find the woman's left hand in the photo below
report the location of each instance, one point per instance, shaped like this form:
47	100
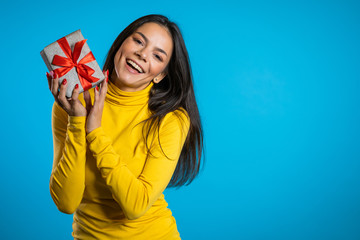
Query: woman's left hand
95	110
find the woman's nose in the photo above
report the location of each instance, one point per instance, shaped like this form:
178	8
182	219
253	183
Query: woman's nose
142	54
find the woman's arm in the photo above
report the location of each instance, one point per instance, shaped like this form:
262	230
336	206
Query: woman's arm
134	194
67	181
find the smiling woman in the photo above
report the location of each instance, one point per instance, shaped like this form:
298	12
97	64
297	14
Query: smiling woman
117	148
143	57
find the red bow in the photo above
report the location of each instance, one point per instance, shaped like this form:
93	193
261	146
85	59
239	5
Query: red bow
84	71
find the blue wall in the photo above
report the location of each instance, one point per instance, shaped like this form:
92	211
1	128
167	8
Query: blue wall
278	89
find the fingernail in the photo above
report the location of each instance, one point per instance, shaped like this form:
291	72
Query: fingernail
54	75
76	86
107	72
97	88
47	74
64	82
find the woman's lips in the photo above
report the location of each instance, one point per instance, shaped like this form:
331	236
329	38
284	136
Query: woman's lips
130	69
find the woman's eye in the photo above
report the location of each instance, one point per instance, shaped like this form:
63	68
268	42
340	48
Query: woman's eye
158	57
137	41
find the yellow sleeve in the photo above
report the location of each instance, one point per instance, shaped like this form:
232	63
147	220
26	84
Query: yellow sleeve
134	194
67	180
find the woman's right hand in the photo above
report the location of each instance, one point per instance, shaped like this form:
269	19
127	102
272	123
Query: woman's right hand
72	105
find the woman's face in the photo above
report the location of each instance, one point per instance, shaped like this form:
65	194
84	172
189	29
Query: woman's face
142	57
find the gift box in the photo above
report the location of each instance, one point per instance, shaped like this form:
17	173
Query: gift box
70	57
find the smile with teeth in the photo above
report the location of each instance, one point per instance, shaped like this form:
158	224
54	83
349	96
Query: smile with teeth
134	65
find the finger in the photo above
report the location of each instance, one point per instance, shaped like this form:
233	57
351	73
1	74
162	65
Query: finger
61	97
87	99
75	93
103	87
106	74
49	78
103	91
96	95
55	85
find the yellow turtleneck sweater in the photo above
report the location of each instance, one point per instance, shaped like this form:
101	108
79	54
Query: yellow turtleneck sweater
107	178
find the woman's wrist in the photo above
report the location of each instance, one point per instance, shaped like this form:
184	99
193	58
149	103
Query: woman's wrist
90	136
77	122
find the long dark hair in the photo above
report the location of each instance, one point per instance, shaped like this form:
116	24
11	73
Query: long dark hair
174	92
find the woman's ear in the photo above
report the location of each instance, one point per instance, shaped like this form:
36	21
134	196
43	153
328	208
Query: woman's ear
159	77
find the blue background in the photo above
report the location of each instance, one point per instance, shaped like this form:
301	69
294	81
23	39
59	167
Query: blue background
277	85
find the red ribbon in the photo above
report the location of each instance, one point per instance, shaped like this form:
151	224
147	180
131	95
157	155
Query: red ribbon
84	71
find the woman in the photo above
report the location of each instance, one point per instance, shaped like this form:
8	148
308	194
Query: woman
117	148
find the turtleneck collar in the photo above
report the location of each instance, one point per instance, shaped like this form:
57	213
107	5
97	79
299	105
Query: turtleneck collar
117	96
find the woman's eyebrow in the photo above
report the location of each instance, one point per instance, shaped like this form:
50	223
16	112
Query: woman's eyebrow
147	40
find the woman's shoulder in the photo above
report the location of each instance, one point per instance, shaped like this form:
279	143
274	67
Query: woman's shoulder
178	118
182	114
